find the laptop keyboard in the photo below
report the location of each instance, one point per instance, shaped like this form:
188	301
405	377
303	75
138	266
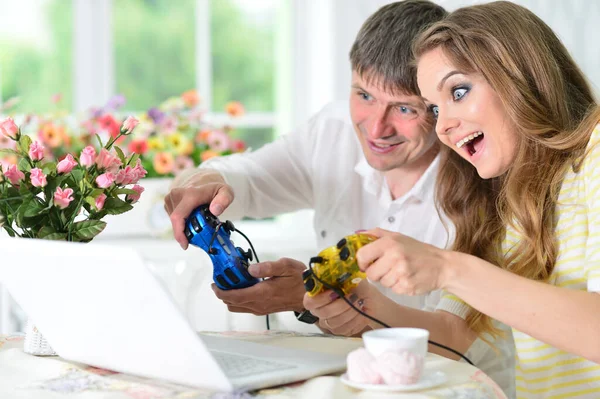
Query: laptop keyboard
241	366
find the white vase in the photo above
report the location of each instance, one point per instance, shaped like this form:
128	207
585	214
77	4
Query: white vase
35	343
147	218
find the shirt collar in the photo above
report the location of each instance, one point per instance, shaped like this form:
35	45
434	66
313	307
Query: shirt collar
374	181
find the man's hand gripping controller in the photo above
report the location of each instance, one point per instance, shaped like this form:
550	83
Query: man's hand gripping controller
336	266
230	263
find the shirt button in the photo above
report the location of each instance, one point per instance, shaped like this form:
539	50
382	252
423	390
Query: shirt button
391	219
323	233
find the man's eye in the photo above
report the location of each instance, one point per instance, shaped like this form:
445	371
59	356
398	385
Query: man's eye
406	110
459	93
364	96
434	109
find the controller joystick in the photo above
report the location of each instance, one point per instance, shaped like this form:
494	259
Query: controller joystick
336	266
230	263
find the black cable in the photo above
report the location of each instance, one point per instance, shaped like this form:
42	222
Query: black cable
343	296
257	261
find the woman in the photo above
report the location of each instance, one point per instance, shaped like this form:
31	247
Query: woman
519	181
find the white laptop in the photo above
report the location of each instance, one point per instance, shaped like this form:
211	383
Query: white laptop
99	305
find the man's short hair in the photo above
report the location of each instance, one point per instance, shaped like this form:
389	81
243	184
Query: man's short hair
382	51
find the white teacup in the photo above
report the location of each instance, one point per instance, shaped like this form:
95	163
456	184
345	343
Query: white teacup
409	343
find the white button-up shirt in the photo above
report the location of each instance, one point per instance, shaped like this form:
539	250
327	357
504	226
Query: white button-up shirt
321	166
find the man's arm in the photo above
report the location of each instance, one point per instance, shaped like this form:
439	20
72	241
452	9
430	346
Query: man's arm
271	180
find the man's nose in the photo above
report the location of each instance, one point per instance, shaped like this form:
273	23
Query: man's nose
380	126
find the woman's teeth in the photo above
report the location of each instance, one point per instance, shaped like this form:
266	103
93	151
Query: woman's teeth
467	139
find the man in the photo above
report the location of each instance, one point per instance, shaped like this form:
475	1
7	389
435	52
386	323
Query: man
372	167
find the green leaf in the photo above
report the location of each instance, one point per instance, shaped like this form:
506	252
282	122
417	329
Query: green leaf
46	231
125	191
120	154
34	209
49	167
99	141
24	144
9	231
116	206
8	151
77	174
133	159
96	192
24	165
88	229
56	237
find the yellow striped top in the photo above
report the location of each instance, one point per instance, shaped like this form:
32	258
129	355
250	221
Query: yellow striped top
543	371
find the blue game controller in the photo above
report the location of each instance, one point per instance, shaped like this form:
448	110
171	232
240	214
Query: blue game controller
230	263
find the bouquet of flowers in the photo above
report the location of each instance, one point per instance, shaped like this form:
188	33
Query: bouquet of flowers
65	199
175	136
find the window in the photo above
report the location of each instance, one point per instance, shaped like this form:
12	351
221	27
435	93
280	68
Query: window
150	50
224	48
35	38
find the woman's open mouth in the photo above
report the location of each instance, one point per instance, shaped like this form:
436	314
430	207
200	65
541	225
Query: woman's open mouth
472	143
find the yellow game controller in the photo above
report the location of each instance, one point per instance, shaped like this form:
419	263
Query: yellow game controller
336	266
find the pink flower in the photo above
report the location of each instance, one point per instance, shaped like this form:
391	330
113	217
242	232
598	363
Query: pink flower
135	197
100	201
9	128
66	165
87	156
218	141
56	98
14	175
105	180
62	198
36	151
129	124
139	170
108	161
38	178
182	163
238	145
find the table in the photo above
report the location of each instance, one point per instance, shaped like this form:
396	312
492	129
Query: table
23	376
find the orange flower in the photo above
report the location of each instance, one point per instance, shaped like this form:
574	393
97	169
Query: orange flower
208	154
202	136
234	108
163	163
191	98
52	135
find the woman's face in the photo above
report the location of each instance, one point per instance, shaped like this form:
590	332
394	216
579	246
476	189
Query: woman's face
470	116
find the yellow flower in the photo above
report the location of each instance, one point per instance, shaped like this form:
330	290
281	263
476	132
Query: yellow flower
180	144
156	143
163	163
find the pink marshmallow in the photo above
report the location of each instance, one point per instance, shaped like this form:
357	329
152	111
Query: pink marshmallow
361	367
399	367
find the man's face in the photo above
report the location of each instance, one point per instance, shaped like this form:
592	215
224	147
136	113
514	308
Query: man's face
395	131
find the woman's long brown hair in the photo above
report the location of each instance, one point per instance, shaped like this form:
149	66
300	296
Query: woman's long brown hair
551	105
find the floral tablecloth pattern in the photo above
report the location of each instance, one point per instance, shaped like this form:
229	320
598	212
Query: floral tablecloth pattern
23	376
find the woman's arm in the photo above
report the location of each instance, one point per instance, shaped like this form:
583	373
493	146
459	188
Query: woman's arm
337	317
566	319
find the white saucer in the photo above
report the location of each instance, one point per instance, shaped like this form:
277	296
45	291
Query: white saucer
429	379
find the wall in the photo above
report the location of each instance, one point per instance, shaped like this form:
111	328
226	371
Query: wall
331	26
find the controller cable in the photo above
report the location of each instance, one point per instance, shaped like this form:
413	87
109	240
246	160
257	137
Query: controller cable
343	296
230	226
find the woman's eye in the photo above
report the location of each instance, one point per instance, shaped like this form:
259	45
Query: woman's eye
459	93
434	109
